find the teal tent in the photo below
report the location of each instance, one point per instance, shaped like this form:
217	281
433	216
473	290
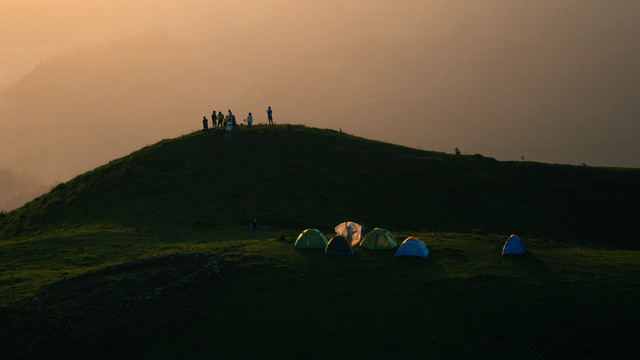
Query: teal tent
378	239
311	239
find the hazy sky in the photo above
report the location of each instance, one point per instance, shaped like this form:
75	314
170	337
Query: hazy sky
86	81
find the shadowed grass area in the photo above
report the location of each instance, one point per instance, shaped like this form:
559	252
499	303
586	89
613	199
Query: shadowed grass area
573	295
284	302
280	302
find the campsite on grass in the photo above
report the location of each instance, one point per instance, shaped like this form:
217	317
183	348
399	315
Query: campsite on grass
143	258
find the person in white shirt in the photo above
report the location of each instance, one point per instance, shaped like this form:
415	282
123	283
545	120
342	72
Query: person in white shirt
249	121
227	133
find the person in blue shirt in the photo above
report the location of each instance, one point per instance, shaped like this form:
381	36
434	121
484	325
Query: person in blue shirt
270	115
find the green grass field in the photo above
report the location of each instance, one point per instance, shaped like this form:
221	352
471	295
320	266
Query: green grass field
574	295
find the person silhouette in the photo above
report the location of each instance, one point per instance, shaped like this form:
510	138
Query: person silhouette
205	124
249	121
213	119
220	119
254	227
229	125
270	115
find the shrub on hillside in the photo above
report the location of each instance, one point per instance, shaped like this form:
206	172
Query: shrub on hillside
281	237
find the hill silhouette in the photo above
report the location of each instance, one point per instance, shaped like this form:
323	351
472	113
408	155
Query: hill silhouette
294	177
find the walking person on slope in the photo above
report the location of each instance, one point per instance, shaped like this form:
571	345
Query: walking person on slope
254	227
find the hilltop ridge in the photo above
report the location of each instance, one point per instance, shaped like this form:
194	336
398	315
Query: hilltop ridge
291	176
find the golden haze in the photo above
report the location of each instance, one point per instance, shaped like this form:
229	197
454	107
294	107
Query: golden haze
85	81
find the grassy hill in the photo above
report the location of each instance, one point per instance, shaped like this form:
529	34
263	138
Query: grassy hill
575	292
296	177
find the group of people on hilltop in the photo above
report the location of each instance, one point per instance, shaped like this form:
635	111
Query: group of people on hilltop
229	121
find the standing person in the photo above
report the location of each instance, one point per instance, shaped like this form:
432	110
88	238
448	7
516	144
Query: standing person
227	133
220	119
254	227
230	115
205	125
213	119
270	115
249	121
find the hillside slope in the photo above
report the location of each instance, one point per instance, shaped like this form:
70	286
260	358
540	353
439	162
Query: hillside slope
296	177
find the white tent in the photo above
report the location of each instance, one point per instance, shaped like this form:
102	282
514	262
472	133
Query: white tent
351	231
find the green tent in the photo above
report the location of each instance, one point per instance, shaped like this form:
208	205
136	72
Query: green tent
378	239
311	239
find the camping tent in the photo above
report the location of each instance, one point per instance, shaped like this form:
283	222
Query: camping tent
311	239
351	231
413	247
513	245
378	239
338	245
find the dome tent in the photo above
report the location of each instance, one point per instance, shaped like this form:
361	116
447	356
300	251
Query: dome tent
338	245
378	239
351	231
412	246
311	239
513	246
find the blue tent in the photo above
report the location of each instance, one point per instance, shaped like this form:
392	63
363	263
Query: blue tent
513	245
413	247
